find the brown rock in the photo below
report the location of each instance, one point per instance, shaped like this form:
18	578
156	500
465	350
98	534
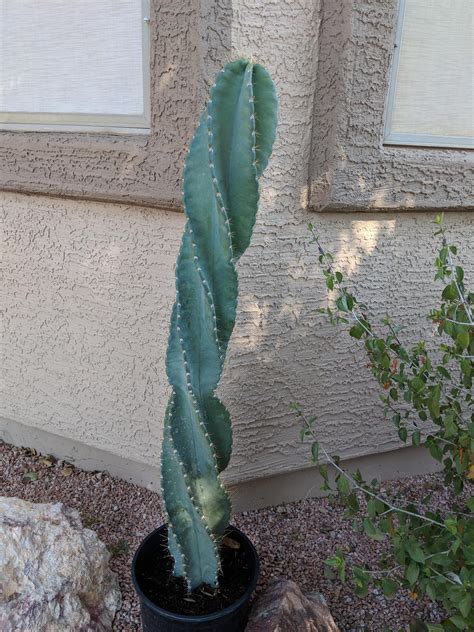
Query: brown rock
282	607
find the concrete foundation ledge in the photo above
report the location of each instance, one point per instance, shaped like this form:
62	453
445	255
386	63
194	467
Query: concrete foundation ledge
261	492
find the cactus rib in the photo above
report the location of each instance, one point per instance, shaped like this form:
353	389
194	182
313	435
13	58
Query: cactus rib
220	200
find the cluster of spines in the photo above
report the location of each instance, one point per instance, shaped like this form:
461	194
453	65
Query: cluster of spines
215	181
203	427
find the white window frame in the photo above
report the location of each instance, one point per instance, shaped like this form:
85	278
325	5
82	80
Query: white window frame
100	123
420	140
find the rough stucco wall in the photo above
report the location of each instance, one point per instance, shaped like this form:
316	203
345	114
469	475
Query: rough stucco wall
279	343
85	297
87	290
351	168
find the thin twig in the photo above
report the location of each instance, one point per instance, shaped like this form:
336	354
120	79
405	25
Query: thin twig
376	496
444	576
450	320
389	571
356	485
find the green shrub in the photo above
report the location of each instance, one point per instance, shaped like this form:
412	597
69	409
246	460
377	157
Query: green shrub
428	397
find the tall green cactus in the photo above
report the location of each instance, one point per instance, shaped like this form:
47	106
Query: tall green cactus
228	153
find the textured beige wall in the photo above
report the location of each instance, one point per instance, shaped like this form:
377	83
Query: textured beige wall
87	290
86	294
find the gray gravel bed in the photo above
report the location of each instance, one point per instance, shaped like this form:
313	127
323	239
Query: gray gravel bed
293	541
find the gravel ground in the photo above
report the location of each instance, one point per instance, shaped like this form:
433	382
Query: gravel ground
293	541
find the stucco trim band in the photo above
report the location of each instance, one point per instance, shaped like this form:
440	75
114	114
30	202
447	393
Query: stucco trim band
260	492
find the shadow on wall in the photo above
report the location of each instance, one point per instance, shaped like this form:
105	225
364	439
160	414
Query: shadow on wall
283	351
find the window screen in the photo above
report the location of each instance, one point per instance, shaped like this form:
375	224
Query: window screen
431	99
74	63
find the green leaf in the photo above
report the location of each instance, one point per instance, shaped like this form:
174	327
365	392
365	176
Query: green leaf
389	587
339	564
433	400
465	605
450	427
462	340
371	508
415	552
444	372
343	485
418	383
459	622
435	451
372	532
403	434
323	470
416	438
449	292
345	303
352	502
396	420
431	591
315	452
357	331
412	572
386	525
361	581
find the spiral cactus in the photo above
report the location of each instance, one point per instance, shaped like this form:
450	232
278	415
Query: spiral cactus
228	153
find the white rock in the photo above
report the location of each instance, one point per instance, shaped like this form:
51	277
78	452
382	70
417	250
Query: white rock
54	573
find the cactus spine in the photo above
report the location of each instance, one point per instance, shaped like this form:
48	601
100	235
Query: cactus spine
228	153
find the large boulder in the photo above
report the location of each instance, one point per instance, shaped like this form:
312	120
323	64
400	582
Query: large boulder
283	607
54	573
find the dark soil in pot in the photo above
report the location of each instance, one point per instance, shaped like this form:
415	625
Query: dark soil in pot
170	593
166	602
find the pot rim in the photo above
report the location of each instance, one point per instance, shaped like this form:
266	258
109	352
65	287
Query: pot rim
174	616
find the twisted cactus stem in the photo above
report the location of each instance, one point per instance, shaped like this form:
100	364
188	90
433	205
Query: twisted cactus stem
228	153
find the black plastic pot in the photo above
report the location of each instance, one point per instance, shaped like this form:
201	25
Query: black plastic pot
156	619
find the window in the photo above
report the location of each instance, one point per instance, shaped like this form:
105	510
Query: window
431	97
127	154
383	139
80	65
